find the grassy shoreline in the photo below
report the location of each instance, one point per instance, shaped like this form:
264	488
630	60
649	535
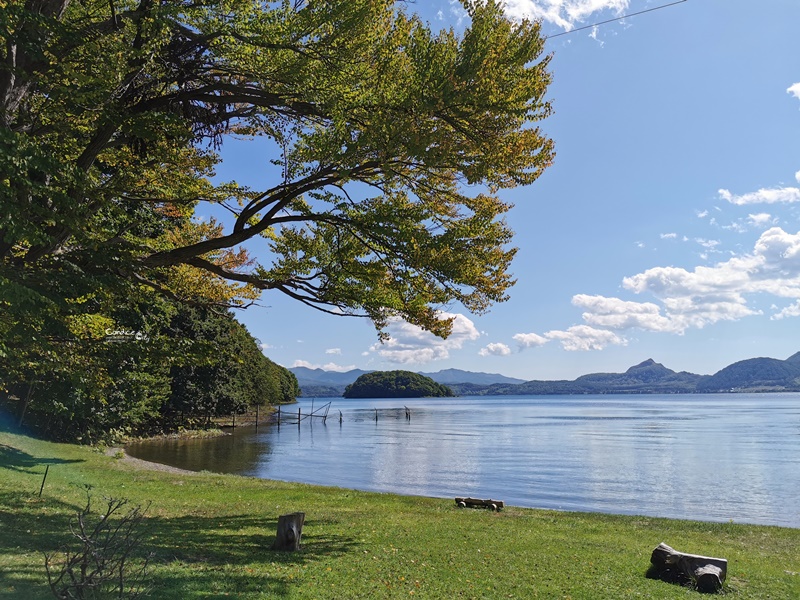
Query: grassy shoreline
210	535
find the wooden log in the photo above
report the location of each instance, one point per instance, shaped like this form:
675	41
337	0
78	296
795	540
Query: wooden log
290	528
706	573
495	505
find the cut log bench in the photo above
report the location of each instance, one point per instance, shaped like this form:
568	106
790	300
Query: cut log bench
494	505
707	574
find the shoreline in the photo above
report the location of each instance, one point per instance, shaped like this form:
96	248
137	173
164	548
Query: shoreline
213	533
122	456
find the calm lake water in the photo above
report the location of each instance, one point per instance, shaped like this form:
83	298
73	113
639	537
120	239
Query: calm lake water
708	457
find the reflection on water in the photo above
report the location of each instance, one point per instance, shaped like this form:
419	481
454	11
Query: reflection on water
709	457
239	453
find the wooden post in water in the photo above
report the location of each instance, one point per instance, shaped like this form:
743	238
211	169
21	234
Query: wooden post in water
279	417
298	417
340	417
376	415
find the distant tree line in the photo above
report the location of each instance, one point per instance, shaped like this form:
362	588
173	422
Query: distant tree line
184	369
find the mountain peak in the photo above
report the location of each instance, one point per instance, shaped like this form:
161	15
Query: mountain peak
648	364
794	358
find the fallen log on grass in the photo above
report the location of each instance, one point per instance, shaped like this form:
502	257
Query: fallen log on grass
705	573
495	505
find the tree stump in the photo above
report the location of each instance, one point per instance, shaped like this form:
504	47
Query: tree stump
290	528
707	574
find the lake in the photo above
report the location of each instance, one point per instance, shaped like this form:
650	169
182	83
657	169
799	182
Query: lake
716	457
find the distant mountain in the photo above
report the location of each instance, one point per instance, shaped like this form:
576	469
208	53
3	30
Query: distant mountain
448	376
756	375
318	382
648	377
323	377
794	359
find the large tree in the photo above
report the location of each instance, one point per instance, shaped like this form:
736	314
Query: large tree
389	144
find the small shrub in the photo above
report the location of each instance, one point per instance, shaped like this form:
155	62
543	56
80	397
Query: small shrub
103	563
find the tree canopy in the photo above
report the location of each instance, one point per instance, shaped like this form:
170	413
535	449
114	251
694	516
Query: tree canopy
396	384
387	143
191	365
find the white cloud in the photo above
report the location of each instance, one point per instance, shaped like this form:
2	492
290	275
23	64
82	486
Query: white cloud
333	351
706	295
409	344
616	314
563	13
593	35
736	226
527	340
669	236
763	196
760	219
794	90
797	176
583	338
495	349
708	244
265	346
457	10
325	367
578	337
789	311
689	299
702	214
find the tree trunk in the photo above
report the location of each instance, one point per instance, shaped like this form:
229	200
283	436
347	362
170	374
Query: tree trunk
290	528
25	404
705	573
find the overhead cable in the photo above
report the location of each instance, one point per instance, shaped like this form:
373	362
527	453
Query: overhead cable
641	12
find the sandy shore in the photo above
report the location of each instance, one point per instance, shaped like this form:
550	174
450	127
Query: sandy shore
145	464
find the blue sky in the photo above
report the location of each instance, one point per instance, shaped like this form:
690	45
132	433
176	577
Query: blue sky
667	228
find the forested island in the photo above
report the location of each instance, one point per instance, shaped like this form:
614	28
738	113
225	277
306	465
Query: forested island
396	384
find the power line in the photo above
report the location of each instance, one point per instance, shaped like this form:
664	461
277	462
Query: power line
641	12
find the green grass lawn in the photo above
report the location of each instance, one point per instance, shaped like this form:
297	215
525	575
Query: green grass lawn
210	535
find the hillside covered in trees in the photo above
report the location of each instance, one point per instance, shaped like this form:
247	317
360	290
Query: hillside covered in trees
396	384
195	364
650	377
